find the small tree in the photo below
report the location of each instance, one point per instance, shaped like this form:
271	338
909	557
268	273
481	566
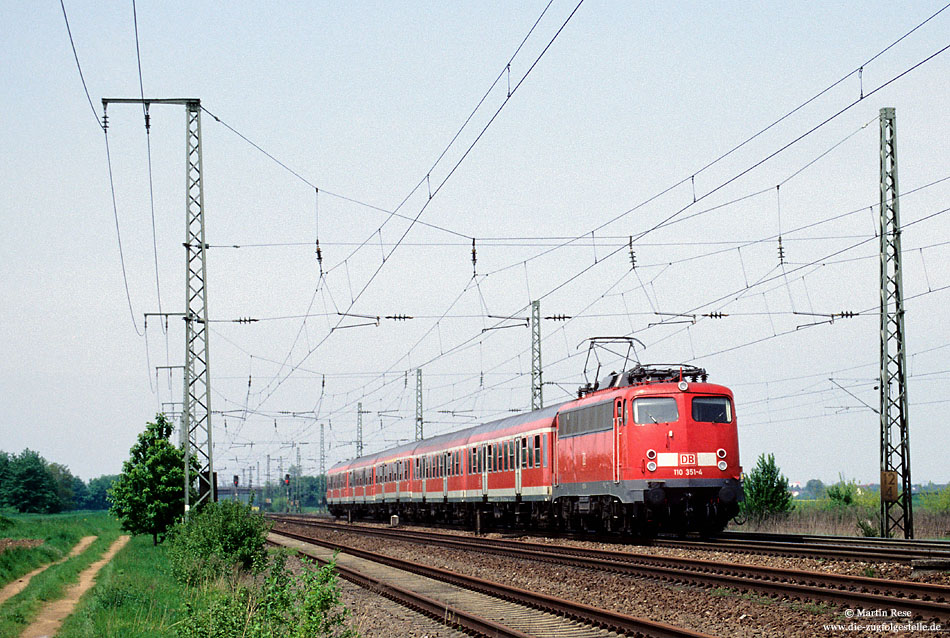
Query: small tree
149	495
766	490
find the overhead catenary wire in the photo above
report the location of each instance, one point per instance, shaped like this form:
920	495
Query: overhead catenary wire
449	173
82	78
407	244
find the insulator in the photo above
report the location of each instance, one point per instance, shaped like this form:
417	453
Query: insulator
847	314
398	317
715	315
558	317
781	251
633	255
474	256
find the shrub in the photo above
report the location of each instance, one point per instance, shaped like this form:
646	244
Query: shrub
936	501
766	490
843	493
215	540
284	606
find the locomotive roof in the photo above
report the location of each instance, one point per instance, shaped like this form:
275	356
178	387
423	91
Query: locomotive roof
464	434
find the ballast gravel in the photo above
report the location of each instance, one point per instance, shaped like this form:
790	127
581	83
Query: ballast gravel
719	611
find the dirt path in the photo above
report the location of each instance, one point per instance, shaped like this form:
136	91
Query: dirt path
14	588
51	616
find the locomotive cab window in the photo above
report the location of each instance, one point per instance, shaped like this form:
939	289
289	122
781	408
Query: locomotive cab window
655	410
712	410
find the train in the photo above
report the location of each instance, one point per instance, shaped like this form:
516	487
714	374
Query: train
648	450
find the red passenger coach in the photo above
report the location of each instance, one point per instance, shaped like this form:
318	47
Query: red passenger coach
653	448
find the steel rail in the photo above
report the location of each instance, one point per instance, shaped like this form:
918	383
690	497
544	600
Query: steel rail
923	599
856	550
612	621
437	610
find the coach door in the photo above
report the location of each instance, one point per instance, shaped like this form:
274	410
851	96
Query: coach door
483	467
519	460
446	466
618	438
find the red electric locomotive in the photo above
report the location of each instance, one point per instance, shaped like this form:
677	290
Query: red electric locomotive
651	449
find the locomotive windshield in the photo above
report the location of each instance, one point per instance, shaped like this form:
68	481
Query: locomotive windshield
655	410
712	410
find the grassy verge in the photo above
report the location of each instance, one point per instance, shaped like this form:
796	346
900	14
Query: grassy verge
821	517
59	532
135	596
17	612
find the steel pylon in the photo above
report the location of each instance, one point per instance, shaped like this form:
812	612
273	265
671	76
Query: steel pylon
537	400
897	516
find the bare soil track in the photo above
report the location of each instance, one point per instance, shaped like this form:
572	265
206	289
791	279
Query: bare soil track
52	615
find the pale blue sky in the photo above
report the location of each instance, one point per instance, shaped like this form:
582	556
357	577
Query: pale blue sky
360	99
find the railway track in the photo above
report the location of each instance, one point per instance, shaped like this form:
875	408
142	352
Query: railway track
923	600
773	544
834	547
478	606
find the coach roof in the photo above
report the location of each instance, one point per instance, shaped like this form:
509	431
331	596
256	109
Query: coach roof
456	437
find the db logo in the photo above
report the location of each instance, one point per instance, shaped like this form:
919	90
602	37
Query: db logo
687	459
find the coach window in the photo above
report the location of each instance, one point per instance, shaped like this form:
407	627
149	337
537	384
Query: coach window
544	450
537	450
655	410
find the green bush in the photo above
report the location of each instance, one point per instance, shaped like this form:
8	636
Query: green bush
215	540
936	501
843	493
766	490
284	606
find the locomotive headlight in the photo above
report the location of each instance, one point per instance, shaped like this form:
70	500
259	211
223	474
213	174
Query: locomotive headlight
683	386
722	465
651	454
651	466
721	453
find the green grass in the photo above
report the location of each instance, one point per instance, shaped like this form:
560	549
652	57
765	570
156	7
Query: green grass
60	533
17	612
135	596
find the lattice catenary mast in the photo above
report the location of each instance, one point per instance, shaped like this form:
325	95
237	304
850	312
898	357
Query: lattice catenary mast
359	430
419	433
196	408
537	402
897	514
